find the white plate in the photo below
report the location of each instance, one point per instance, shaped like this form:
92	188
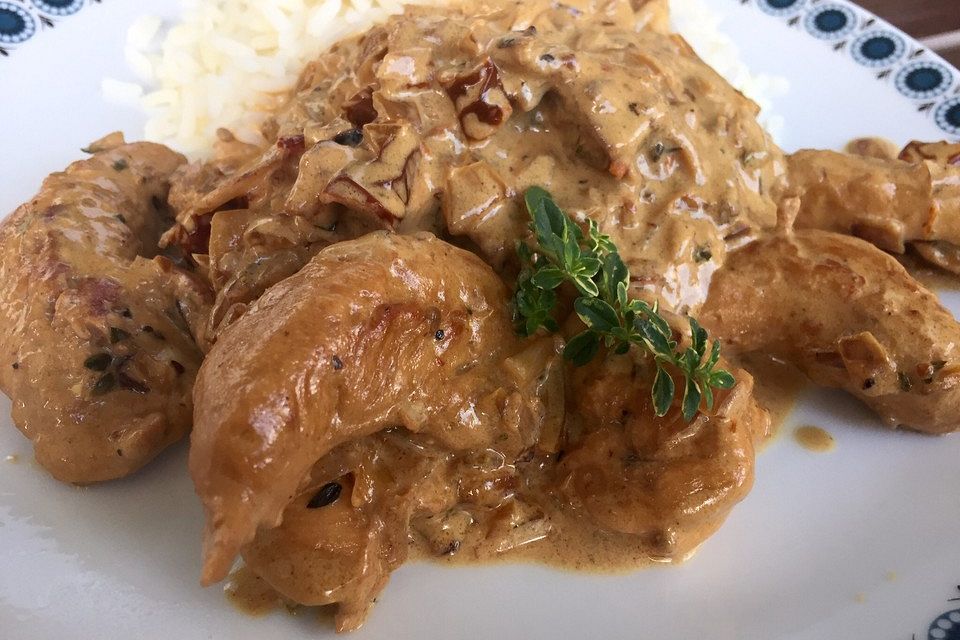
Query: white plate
860	543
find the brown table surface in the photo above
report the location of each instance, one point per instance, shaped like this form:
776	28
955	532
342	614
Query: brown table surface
936	23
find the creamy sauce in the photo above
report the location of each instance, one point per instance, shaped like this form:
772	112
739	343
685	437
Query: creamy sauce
576	545
571	545
250	593
814	439
777	385
929	275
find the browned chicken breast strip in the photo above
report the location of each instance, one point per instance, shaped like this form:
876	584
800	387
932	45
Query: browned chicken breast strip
350	525
383	331
99	359
849	316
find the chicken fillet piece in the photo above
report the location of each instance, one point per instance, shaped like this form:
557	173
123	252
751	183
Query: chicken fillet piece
849	316
379	332
99	358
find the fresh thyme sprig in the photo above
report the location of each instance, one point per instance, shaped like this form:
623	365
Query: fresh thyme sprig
593	266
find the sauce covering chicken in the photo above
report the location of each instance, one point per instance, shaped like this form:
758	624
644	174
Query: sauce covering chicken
365	393
412	334
94	324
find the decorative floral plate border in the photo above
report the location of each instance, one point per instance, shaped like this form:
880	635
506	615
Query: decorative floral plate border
892	56
946	626
21	20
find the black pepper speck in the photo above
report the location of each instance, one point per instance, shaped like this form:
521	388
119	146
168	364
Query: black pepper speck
98	362
104	384
327	495
349	138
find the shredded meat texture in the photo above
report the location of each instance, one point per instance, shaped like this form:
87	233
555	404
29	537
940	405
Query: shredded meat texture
363	394
94	325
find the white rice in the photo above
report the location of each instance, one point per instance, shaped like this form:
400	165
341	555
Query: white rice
226	63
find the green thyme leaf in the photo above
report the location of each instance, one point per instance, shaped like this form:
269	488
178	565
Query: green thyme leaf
615	274
691	400
597	314
698	338
548	278
714	355
659	342
582	348
708	396
622	297
662	392
722	380
591	264
585	285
